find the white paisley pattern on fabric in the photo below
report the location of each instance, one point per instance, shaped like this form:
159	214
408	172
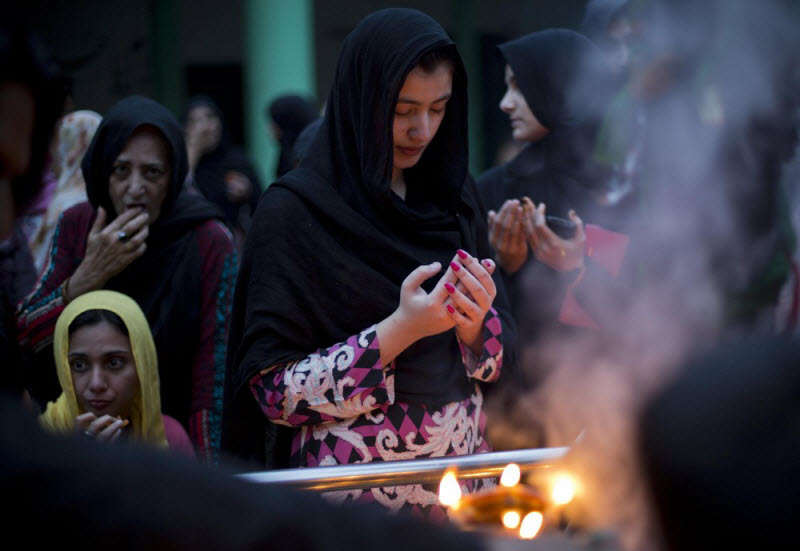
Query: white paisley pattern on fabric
343	403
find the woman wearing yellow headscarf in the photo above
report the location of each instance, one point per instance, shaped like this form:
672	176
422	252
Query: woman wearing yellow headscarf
108	370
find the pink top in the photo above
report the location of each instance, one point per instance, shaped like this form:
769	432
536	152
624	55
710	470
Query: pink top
177	437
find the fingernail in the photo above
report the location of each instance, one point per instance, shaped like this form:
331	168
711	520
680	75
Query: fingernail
450	308
449	287
456	267
462	254
487	263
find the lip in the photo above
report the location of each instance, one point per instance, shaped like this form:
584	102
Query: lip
135	206
411	151
99	405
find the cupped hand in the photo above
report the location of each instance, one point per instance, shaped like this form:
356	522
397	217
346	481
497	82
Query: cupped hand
104	429
563	255
107	253
472	292
507	235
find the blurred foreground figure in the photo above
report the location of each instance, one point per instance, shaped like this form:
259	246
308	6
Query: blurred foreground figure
721	449
30	102
93	495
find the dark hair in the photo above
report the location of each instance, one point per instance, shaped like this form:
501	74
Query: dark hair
96	316
433	58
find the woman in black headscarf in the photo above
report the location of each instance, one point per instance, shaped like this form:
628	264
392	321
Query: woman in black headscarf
381	203
141	234
289	115
219	170
558	87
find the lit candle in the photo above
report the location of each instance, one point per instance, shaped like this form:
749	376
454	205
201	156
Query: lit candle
531	525
449	490
511	519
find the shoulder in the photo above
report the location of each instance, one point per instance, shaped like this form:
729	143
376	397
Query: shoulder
214	235
82	214
490	176
177	437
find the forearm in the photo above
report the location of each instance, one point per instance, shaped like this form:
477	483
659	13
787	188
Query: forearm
341	382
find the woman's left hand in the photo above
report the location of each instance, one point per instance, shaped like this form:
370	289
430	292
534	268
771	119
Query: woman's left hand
563	255
472	292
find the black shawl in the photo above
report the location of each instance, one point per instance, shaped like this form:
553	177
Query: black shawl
166	280
331	243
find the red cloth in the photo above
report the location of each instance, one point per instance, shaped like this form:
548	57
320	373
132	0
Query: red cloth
607	249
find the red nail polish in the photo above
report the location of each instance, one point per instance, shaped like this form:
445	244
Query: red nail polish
449	287
462	254
456	267
487	263
450	308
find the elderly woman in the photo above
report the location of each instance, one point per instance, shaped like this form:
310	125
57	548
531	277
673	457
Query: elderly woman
142	235
108	370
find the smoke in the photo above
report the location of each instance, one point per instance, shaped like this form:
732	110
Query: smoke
715	83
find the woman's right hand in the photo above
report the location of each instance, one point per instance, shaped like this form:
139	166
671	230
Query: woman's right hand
102	429
420	314
107	254
507	236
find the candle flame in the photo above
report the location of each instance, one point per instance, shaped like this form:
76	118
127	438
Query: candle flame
449	490
563	489
531	525
511	519
510	476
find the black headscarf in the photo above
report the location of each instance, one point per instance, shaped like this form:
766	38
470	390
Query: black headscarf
209	174
291	113
166	280
567	85
597	17
331	243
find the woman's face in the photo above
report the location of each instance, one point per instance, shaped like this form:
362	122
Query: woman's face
524	124
419	111
203	128
103	370
141	173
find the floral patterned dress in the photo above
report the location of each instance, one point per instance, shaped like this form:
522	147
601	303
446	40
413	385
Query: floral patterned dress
342	401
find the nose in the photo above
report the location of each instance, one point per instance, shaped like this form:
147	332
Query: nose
421	130
506	103
136	184
97	382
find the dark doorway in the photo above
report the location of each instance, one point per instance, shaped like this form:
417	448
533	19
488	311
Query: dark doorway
224	84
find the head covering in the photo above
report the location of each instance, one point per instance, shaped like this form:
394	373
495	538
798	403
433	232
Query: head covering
566	83
332	243
165	280
146	422
597	17
214	165
73	134
291	113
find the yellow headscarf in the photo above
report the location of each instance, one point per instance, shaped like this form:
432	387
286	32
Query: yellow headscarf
146	421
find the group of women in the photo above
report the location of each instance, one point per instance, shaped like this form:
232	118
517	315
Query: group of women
368	314
368	317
